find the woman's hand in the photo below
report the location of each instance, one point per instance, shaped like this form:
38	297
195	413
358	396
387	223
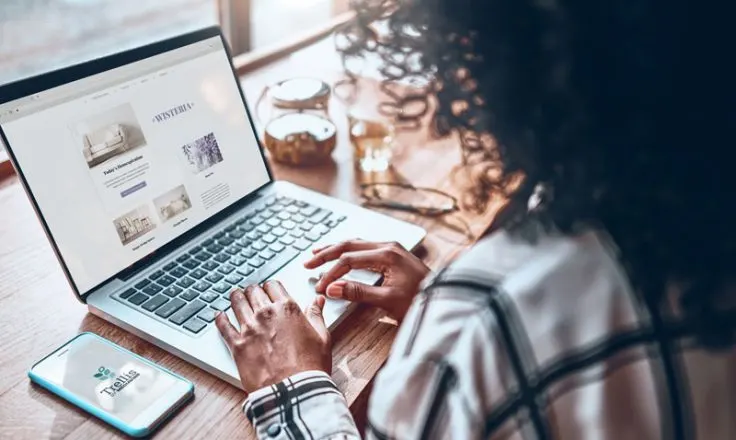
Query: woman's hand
275	340
402	273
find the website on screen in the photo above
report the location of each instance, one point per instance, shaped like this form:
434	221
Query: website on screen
121	170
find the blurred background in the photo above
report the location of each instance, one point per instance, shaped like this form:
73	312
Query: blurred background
41	35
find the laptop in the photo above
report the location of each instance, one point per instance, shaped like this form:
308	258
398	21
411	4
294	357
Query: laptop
149	179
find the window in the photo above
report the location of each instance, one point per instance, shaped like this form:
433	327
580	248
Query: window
66	32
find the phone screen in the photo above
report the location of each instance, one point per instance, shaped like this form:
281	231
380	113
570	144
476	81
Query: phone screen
106	377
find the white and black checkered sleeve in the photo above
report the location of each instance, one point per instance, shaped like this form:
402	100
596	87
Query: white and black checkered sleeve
306	405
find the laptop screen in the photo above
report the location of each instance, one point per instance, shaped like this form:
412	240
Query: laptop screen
122	162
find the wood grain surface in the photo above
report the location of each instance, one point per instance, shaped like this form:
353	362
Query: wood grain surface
38	311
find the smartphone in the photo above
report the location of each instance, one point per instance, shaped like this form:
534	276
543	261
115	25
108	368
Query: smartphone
113	384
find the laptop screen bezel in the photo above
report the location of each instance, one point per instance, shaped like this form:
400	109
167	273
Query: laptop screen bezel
29	86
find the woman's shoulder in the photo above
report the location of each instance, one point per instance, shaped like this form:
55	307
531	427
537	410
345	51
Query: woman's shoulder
548	259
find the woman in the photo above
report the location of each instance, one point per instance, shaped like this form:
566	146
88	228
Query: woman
602	309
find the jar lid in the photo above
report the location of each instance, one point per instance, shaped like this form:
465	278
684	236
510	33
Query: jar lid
300	93
295	124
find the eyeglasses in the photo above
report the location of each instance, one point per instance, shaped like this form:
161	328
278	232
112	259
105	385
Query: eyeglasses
406	197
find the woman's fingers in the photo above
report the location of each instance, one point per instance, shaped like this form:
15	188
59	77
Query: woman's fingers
333	252
275	291
226	328
257	297
242	309
375	259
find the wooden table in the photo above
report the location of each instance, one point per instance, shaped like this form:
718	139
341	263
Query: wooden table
38	311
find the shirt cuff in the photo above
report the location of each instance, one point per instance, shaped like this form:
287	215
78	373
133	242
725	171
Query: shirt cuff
306	403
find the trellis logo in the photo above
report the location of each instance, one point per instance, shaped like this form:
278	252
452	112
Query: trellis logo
104	373
119	382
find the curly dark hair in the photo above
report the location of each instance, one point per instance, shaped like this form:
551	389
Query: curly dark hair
617	111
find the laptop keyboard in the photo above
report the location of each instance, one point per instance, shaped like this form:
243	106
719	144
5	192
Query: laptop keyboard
195	284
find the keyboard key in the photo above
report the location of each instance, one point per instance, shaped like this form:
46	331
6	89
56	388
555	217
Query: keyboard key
182	258
238	233
127	293
313	236
245	271
234	279
207	314
209	296
270	201
185	282
191	264
249	253
306	226
226	269
187	312
253	235
258	246
331	223
237	261
279	232
167	280
222	257
156	275
199	273
208	242
277	247
266	254
302	244
284	215
210	265
138	298
221	287
215	248
256	262
301	203
263	229
231	228
233	250
155	302
195	325
195	250
320	216
269	238
152	289
320	229
288	224
219	235
202	286
227	241
292	209
189	295
170	266
273	222
214	277
341	218
287	240
203	256
248	226
142	284
309	211
172	291
297	218
268	269
297	233
178	272
221	304
170	307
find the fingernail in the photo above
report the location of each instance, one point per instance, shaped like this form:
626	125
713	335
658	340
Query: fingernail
336	289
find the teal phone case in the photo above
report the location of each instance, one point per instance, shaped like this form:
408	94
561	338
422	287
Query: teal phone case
100	414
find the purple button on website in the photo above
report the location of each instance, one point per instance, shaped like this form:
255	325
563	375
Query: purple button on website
133	189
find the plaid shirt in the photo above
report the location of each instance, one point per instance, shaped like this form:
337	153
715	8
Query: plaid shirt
525	341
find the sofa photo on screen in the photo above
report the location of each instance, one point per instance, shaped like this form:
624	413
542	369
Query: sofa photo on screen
104	143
